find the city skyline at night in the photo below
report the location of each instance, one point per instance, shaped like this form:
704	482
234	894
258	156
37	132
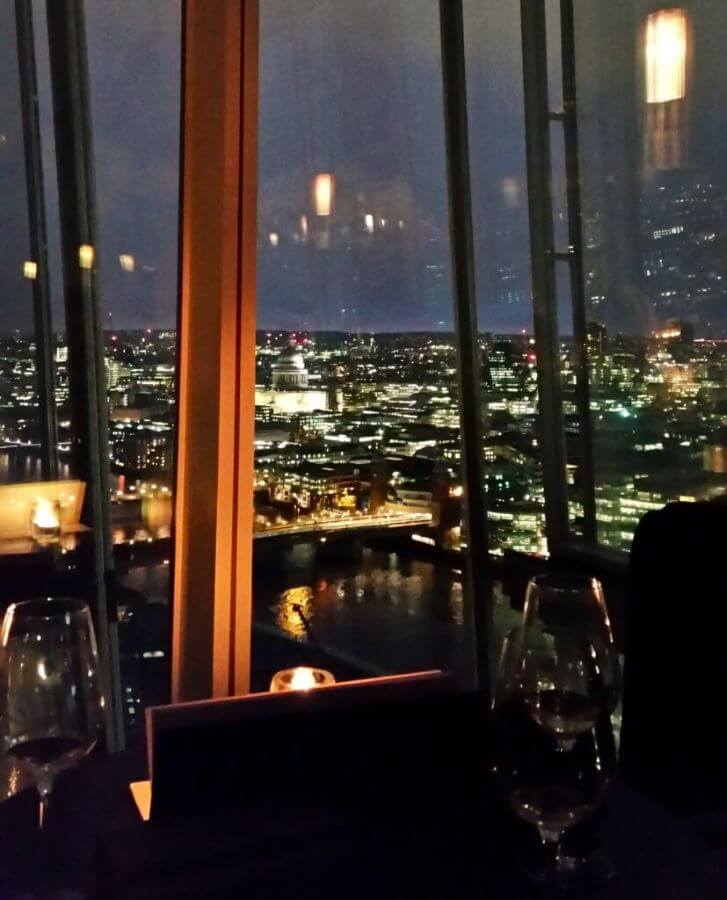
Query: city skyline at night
359	483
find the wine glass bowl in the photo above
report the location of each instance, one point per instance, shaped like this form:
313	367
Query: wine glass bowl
52	703
568	609
558	691
553	751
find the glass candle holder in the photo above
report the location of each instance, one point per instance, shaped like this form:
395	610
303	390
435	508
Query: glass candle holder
45	521
301	678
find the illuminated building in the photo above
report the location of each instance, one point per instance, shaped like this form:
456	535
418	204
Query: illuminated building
142	449
116	373
290	393
289	371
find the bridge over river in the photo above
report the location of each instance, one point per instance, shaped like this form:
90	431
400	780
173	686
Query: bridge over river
337	527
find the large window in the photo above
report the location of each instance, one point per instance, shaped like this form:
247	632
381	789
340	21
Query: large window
651	108
599	215
134	68
358	477
23	443
514	482
129	66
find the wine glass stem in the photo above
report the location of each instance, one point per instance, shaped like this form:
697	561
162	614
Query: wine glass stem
44	790
551	844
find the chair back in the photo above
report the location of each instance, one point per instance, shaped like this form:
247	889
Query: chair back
674	736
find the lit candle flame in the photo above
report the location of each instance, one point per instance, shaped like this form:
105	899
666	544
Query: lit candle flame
303	679
45	515
300	678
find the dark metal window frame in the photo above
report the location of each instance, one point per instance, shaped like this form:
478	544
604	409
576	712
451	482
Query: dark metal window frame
38	242
84	333
456	137
564	545
563	542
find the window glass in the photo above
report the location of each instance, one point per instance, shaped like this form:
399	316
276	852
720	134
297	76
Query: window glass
20	412
134	69
651	105
515	497
358	484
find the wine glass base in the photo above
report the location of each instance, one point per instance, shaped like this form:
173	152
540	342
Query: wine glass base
573	875
597	867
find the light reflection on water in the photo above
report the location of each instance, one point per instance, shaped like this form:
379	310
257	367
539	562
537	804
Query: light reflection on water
20	467
387	610
292	603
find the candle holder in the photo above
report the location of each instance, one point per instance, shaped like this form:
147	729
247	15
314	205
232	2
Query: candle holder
45	521
300	678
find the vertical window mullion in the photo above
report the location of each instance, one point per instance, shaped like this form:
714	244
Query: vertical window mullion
89	413
569	122
42	326
465	313
543	259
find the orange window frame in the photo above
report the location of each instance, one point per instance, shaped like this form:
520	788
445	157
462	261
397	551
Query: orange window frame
212	615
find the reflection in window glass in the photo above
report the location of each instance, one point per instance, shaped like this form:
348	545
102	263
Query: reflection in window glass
20	422
652	115
358	491
515	500
134	61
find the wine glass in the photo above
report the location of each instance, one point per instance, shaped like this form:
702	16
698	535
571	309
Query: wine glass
569	609
51	700
553	750
558	687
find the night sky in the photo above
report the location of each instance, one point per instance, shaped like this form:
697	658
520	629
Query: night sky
348	88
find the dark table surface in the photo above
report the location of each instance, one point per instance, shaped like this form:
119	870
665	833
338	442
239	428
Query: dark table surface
96	845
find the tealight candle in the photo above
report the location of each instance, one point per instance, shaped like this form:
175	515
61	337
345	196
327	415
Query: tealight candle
301	678
45	523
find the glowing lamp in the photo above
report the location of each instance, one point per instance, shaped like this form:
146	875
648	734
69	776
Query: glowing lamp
665	46
127	262
301	678
30	269
511	191
86	256
369	223
323	190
